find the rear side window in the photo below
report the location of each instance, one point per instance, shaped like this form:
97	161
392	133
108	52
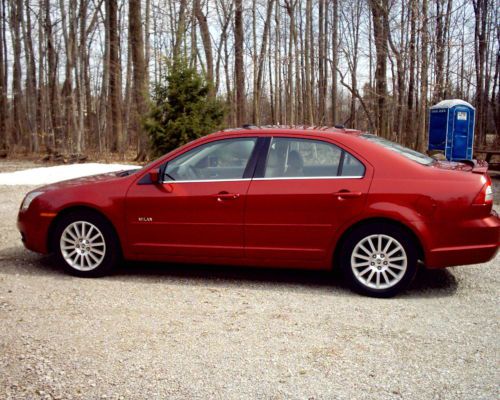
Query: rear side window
304	158
352	166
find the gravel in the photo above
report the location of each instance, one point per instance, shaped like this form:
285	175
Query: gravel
197	332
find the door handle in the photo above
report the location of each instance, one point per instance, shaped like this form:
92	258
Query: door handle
223	196
346	194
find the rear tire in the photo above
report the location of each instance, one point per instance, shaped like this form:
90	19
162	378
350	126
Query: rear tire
85	244
379	260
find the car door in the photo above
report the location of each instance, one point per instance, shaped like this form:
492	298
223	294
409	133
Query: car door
303	191
197	209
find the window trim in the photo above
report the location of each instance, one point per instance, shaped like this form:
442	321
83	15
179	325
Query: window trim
259	174
206	181
256	165
288	178
264	179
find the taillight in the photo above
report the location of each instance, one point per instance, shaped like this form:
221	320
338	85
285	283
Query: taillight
485	196
488	198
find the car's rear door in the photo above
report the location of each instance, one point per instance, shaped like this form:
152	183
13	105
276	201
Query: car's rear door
303	190
198	210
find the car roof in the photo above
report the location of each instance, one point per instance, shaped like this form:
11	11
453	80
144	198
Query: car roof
291	129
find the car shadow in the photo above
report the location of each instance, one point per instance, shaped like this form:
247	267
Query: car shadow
427	283
432	283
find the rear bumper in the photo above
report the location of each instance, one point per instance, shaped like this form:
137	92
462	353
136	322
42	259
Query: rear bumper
450	256
472	242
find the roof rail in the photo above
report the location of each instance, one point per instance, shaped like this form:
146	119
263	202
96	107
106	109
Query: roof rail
293	127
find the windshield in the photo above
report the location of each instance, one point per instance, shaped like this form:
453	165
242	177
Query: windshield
404	151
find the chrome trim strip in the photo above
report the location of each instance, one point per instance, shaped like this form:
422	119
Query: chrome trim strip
207	180
284	178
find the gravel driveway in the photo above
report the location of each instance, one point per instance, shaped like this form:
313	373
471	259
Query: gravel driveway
196	332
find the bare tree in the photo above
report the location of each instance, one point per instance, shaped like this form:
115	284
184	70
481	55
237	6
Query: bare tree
239	63
4	145
63	90
207	42
480	26
380	14
421	139
335	50
139	75
115	123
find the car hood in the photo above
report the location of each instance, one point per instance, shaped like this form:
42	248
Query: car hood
87	180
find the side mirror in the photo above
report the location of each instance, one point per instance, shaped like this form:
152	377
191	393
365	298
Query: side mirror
154	175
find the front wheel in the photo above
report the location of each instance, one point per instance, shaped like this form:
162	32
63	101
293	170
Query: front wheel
85	244
379	260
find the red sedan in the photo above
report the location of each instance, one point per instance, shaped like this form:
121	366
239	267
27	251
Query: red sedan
304	198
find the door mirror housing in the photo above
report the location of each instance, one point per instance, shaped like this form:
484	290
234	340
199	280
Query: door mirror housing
154	175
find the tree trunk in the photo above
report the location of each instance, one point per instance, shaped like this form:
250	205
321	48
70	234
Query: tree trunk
4	144
31	104
380	14
335	50
140	89
57	136
440	51
238	64
410	112
19	133
260	63
115	124
207	44
421	144
480	44
181	28
308	100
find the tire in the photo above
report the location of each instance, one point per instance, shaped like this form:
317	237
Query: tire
379	259
85	244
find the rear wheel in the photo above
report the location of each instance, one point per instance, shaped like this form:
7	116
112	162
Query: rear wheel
85	244
379	260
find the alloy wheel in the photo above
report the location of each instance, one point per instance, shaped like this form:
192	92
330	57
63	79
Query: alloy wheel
379	261
83	246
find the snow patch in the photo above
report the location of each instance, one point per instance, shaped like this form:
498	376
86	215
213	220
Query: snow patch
46	175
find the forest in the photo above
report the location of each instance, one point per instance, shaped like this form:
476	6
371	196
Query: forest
77	76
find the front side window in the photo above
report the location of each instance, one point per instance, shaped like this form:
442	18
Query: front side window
297	158
223	159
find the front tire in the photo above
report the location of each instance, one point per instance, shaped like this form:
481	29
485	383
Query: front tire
379	260
85	244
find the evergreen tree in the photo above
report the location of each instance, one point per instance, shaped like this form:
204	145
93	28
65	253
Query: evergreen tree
182	110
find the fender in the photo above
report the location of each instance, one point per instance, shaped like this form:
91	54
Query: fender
399	214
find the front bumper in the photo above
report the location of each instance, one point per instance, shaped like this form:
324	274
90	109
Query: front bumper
34	227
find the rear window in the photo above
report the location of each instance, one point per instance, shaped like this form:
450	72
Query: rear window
404	151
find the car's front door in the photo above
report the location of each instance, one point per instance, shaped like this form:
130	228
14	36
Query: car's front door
198	209
303	191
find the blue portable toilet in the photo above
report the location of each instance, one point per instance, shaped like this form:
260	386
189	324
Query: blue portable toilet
451	129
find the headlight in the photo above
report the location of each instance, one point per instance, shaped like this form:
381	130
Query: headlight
28	199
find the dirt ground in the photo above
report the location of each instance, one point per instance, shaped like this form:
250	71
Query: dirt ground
194	332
